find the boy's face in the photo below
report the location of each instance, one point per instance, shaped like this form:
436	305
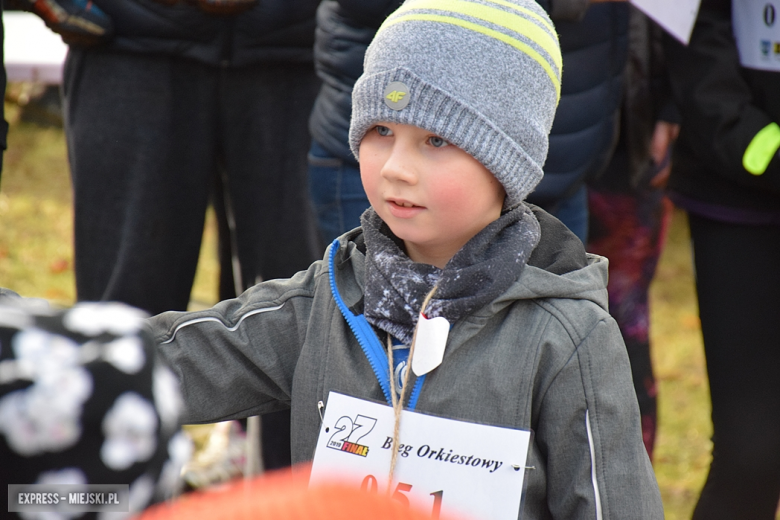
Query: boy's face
433	195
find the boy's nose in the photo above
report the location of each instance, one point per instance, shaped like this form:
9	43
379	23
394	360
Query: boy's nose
399	166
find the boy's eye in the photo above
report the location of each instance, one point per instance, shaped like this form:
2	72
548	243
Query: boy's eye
383	130
437	142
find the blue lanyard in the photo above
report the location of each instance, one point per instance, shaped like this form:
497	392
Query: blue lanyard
372	348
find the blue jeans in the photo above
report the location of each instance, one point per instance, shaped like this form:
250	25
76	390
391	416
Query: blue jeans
336	192
574	213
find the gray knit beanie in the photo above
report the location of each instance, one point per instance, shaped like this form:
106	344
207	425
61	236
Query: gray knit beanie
483	74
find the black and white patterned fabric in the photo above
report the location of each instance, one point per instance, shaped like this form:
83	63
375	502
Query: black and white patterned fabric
85	400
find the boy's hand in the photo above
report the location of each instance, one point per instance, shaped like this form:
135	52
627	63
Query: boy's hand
79	22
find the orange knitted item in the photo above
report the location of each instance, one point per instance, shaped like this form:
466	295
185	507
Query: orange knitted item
283	495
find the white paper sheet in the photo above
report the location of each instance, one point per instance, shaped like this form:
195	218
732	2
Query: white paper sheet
448	467
675	16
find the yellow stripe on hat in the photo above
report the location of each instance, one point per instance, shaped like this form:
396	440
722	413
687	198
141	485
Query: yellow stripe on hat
546	39
527	12
521	46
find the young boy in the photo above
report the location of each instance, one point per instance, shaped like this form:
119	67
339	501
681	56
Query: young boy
450	123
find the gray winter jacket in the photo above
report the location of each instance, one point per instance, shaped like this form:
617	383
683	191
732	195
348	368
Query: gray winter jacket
545	356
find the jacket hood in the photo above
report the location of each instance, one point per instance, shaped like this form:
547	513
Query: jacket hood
559	267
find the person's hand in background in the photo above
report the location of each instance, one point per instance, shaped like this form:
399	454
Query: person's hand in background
79	22
661	151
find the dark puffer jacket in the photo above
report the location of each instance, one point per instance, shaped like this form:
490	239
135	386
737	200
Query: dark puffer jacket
723	106
594	41
344	30
272	30
585	128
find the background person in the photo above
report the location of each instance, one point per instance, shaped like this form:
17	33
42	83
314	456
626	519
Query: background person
594	42
629	212
344	30
726	174
164	101
178	97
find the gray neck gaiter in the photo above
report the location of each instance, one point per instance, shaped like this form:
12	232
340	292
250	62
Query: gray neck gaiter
483	269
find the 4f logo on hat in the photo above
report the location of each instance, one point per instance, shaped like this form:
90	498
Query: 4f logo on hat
397	95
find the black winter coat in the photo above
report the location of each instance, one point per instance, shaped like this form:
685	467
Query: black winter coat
723	106
344	30
585	129
272	30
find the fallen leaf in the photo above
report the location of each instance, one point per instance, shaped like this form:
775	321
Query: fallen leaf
59	266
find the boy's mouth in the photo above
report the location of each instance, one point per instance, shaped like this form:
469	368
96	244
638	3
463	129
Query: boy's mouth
403	208
402	203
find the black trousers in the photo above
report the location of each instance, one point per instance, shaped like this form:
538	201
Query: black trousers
148	134
738	286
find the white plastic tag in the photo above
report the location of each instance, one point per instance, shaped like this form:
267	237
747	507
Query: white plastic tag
757	32
450	468
430	342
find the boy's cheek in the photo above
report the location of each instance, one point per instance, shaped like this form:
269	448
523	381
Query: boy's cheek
368	145
451	196
370	184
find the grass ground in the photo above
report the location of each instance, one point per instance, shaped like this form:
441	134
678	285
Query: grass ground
36	260
682	453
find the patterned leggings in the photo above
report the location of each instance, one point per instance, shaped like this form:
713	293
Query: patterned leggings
630	230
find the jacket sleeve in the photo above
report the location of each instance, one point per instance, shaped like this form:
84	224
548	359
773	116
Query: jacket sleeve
237	359
589	428
720	113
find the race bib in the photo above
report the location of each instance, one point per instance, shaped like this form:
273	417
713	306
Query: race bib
757	32
444	466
